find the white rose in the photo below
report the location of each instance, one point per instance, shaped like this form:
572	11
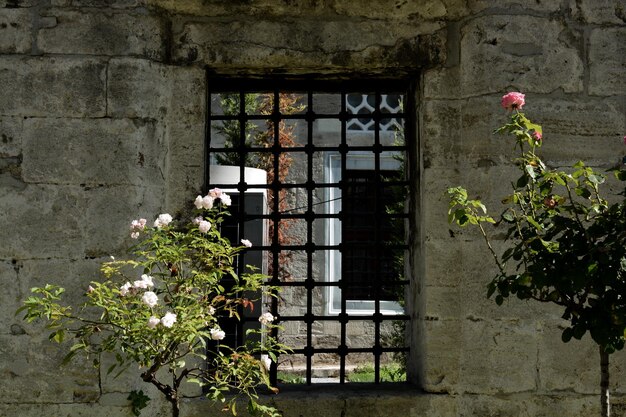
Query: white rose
150	299
246	243
207	202
204	226
225	199
168	319
153	322
148	280
217	333
266	318
139	284
163	220
125	288
198	202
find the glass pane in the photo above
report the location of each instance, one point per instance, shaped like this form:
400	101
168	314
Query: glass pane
327	103
292	368
360	334
327	132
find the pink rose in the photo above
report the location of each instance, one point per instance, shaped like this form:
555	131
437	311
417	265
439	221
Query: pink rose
215	193
513	101
537	136
136	226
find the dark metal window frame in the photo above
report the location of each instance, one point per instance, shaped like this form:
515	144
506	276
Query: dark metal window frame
310	86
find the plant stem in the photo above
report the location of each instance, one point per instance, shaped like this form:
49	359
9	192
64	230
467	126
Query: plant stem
604	383
493	253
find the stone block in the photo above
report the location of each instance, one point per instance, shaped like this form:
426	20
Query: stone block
384	9
119	206
308	44
443	303
528	405
114	4
138	88
591	130
10	136
497	53
88	222
93	152
36	220
443	346
72	274
434	406
461	132
575	366
379	405
476	306
429	9
490	185
97	33
10	299
15	31
444	264
514	5
490	349
601	11
33	372
80	410
52	87
607	61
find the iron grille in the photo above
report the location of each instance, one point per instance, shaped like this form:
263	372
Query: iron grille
348	244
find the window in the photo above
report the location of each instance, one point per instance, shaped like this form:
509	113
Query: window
365	105
329	222
366	259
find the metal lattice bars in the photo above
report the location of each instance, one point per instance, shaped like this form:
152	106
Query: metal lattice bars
373	150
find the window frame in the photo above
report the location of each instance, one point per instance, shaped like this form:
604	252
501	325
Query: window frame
310	84
333	265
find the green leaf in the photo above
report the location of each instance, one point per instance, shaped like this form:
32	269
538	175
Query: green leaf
591	269
138	401
595	179
534	223
579	332
499	300
522	182
490	290
530	170
566	336
57	336
508	216
552	247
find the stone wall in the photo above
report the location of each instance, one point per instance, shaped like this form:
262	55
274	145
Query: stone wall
102	120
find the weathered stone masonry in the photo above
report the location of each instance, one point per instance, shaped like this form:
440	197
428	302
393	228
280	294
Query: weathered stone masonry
102	119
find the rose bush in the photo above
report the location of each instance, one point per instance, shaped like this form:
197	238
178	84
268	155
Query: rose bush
566	241
159	307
